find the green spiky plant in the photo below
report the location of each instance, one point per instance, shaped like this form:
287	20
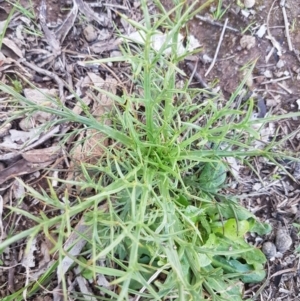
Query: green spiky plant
157	218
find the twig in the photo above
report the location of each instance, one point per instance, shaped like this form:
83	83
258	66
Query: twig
218	48
276	80
290	270
269	36
284	88
196	75
269	54
215	23
286	25
51	75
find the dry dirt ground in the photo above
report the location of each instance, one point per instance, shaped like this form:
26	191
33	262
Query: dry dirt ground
258	33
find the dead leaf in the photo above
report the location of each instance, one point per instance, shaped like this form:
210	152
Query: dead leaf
95	142
11	45
42	155
78	107
28	260
18	190
159	39
5	60
83	285
100	47
41	97
21	167
2	26
17	139
76	242
4	129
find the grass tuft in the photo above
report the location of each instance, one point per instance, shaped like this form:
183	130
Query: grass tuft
156	220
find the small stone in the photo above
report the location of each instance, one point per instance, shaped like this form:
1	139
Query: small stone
245	13
249	3
268	74
280	63
26	124
115	53
269	249
4	130
261	31
206	59
247	42
283	240
90	33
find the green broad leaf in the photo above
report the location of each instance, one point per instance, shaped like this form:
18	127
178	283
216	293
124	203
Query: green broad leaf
204	260
228	209
251	254
212	176
182	200
233	229
205	224
212	241
136	285
247	273
255	256
227	289
234	248
196	260
86	273
259	228
193	213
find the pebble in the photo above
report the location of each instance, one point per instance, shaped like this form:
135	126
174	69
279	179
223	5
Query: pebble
249	3
269	249
90	33
4	130
283	240
261	31
26	124
280	63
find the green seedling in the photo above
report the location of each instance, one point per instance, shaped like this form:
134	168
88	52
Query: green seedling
220	12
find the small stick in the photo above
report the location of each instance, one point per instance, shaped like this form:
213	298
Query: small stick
286	25
52	75
269	36
215	23
276	80
269	54
284	88
196	75
218	48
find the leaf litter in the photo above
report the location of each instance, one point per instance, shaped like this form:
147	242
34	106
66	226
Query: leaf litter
23	156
